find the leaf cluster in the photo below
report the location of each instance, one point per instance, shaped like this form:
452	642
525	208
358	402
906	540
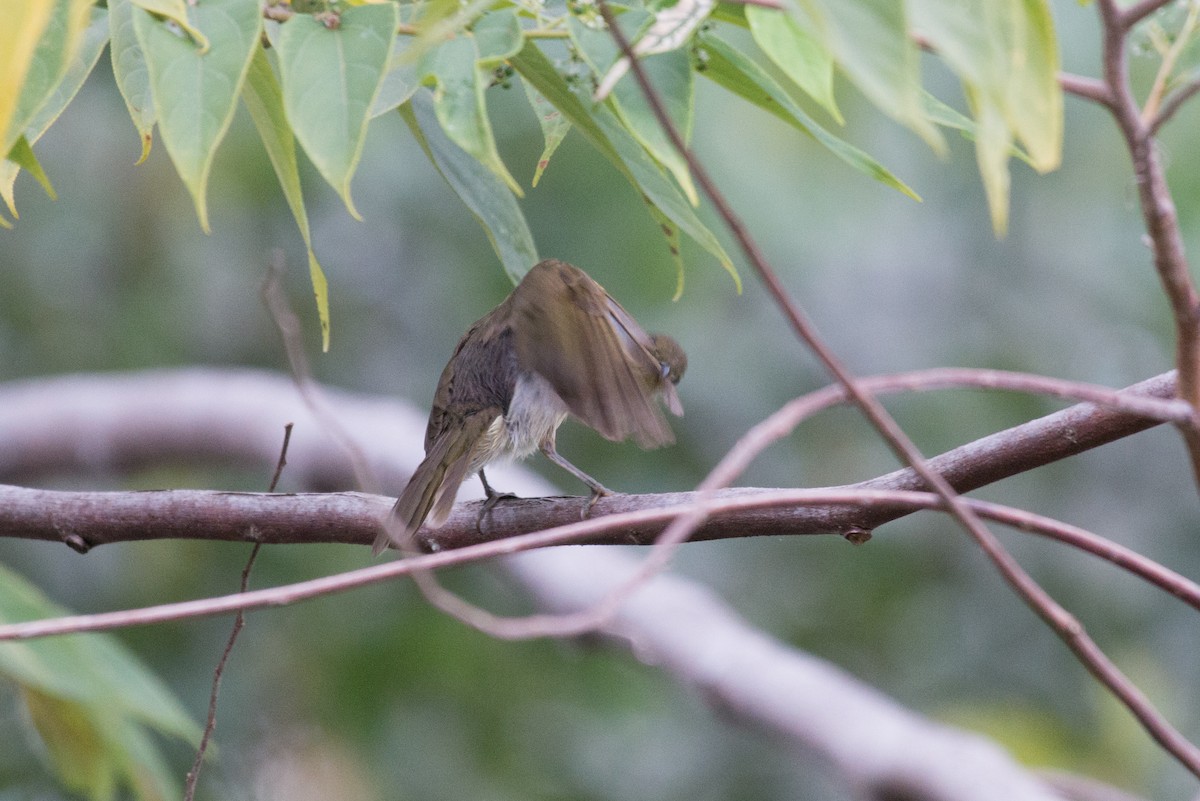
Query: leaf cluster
317	73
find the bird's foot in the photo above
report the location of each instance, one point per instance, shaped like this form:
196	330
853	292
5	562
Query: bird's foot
598	491
489	503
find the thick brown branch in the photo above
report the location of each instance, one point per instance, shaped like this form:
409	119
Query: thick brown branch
37	435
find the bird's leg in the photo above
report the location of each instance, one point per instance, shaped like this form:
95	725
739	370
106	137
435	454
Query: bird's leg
493	498
598	489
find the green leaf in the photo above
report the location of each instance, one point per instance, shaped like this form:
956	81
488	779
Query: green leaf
671	75
24	24
400	80
488	198
949	117
498	36
264	101
615	143
459	101
800	55
133	78
554	127
90	702
736	72
870	41
177	12
52	56
21	156
1006	55
81	64
195	92
330	79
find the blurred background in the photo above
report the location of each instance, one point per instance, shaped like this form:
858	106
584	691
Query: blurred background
373	695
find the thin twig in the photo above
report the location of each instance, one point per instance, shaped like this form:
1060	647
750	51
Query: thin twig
1068	628
1087	88
1138	12
239	622
1158	208
1173	103
1154	99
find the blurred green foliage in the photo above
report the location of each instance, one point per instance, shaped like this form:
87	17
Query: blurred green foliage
373	695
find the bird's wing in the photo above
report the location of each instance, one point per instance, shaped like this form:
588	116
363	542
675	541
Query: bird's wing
595	355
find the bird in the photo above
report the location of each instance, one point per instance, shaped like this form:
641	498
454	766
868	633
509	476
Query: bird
557	346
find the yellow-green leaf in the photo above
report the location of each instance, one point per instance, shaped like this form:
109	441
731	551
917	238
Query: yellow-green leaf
90	702
1006	55
195	91
330	79
870	42
488	198
51	58
741	75
19	36
79	67
615	143
264	100
670	73
459	101
554	127
129	68
23	157
797	52
177	12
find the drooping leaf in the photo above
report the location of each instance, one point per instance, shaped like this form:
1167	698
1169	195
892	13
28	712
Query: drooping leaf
195	91
52	55
80	66
460	82
22	157
498	35
399	82
800	55
19	36
1006	55
264	100
176	11
671	75
870	41
488	198
554	128
949	117
611	139
330	79
739	74
90	702
133	78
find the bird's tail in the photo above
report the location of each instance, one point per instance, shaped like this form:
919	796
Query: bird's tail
431	490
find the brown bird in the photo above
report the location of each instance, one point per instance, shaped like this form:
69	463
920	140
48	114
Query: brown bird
559	345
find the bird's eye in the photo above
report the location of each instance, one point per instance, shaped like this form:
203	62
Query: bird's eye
664	369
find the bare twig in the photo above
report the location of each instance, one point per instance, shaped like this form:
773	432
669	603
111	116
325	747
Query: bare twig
239	621
1137	12
1158	209
1068	628
1154	99
1173	102
1087	88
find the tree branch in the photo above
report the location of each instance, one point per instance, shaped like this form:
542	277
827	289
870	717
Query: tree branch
120	422
173	415
1064	624
1158	208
